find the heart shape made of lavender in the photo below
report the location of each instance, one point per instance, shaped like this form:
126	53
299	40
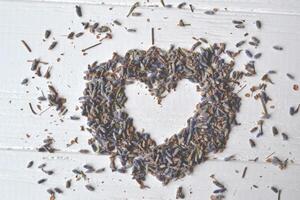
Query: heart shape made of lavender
207	130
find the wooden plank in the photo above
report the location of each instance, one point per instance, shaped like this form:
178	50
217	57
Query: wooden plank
113	185
289	7
18	123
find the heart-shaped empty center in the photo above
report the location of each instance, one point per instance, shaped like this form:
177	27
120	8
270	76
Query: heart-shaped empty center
165	119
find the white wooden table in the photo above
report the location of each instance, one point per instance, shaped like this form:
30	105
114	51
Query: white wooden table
28	19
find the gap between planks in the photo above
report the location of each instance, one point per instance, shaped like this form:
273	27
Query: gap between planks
60	153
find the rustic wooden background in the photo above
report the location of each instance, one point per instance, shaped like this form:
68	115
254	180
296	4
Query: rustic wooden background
28	19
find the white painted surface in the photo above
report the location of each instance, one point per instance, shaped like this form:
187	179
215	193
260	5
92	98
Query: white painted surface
172	114
28	20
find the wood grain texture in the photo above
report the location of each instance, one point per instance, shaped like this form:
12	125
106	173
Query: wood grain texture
289	7
27	20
